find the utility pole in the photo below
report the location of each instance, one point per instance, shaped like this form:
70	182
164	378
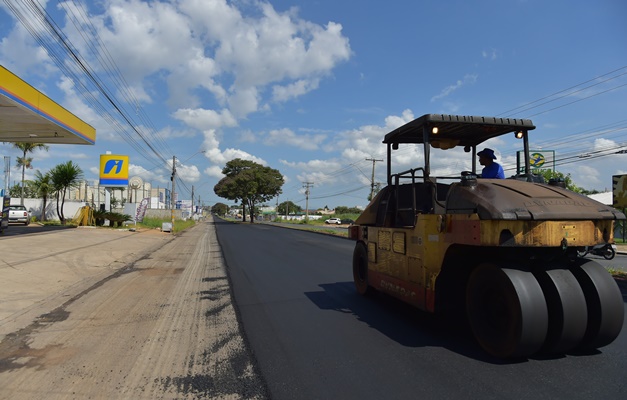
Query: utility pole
307	185
192	216
372	180
7	174
172	201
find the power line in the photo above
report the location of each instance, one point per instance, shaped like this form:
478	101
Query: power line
562	93
49	36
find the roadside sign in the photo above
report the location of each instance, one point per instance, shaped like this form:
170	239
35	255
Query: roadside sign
538	159
619	191
113	170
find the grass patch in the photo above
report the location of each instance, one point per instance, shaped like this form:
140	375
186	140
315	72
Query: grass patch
154	223
332	232
618	273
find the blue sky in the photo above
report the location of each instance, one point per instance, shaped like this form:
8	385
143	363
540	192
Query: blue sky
311	87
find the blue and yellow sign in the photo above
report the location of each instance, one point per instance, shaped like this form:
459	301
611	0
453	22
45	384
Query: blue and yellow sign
113	170
536	160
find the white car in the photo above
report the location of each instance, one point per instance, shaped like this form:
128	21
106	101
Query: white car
335	221
19	214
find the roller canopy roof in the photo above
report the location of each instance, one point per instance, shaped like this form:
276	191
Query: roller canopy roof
27	115
458	129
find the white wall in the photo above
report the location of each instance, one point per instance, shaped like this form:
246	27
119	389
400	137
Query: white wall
34	206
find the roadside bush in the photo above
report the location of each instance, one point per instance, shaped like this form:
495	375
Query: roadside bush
99	217
117	219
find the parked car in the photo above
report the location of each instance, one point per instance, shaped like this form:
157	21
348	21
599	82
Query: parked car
335	221
19	214
347	221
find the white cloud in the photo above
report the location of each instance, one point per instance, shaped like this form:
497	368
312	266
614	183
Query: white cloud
202	119
588	175
318	171
244	101
293	90
146	175
211	146
188	173
219	60
265	47
288	137
230	51
491	54
173	132
214	172
602	144
247	136
468	80
19	53
367	140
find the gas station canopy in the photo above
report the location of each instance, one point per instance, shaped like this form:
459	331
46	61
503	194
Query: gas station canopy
27	115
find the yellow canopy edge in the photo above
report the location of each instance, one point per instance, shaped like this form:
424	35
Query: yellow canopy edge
27	115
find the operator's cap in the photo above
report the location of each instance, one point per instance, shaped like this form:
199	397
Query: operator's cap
487	153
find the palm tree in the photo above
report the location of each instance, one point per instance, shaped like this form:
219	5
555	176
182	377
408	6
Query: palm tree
27	162
64	177
44	188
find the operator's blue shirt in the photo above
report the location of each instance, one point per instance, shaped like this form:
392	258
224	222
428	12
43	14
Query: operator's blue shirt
493	171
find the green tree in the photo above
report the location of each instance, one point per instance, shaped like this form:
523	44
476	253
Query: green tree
44	189
26	162
64	177
16	190
549	174
288	207
228	189
220	209
250	183
341	210
347	210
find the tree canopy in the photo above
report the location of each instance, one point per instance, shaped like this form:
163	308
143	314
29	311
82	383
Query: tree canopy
64	176
288	207
44	187
26	162
549	174
220	209
250	183
347	210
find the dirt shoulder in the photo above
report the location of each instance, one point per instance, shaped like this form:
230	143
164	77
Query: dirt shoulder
133	317
38	272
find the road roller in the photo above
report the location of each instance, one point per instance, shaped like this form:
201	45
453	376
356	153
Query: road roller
501	253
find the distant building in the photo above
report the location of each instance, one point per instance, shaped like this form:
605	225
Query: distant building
605	198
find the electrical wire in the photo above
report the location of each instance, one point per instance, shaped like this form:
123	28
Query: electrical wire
49	36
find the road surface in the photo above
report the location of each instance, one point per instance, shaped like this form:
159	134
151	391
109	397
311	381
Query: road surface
108	314
315	338
159	325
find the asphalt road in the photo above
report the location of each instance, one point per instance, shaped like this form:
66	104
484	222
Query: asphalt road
314	338
619	262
